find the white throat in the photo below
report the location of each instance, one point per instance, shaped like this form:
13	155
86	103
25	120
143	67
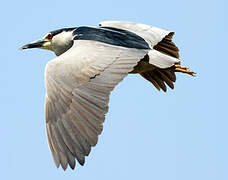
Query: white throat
62	42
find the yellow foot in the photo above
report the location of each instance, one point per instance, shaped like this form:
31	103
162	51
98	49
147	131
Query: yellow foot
178	68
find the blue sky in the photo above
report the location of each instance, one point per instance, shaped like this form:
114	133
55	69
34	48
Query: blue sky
181	134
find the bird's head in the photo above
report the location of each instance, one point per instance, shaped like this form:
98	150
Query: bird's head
58	41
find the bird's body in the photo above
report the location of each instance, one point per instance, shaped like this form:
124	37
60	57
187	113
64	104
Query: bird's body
91	62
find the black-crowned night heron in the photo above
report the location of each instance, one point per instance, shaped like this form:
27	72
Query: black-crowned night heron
91	62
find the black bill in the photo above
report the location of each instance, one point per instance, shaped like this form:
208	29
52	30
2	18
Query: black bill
37	44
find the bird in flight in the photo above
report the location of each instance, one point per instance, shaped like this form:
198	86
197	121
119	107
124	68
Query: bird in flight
90	62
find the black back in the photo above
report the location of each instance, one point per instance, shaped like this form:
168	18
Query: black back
110	35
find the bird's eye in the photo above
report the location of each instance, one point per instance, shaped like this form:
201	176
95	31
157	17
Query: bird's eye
49	36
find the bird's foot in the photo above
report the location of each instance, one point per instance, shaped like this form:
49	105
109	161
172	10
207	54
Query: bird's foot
179	68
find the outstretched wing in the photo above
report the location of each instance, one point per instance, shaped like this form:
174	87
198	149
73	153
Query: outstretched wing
151	34
78	84
164	52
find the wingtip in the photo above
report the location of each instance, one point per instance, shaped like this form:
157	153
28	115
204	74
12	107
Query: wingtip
72	166
81	161
64	167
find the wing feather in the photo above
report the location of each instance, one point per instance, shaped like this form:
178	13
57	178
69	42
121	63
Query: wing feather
152	35
68	140
78	85
51	145
164	52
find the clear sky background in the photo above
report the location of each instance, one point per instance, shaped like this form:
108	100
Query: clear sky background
178	135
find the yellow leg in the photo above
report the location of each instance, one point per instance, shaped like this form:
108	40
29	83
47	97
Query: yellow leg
179	68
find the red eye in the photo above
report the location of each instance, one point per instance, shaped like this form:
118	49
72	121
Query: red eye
50	36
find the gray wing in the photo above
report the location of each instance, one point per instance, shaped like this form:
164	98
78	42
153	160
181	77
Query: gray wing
78	84
151	34
163	57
